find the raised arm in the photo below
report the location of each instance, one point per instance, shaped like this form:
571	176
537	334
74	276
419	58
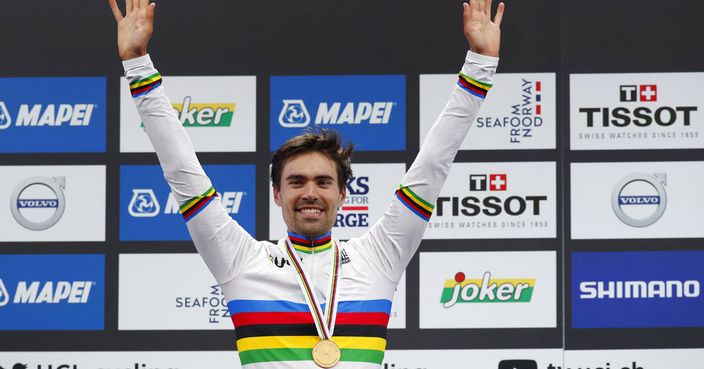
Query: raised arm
223	244
394	239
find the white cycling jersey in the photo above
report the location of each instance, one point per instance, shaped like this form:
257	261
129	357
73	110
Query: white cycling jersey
273	323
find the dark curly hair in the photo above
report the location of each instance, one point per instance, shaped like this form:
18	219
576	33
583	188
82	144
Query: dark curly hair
324	141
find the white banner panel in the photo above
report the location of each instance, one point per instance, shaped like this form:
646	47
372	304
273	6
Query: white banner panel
474	359
169	292
121	360
518	113
369	193
496	200
637	200
219	113
488	289
634	359
52	203
636	111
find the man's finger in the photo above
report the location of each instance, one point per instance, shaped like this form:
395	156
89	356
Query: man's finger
150	11
487	9
115	10
143	5
128	6
467	13
499	14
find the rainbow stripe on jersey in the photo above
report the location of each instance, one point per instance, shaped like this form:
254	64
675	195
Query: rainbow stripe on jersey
307	245
415	203
145	85
474	87
193	206
279	330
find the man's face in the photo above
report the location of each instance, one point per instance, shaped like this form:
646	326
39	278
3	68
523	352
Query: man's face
309	194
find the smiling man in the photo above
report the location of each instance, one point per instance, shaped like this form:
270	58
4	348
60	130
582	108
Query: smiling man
309	299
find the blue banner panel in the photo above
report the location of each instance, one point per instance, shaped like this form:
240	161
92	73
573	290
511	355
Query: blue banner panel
52	114
52	292
149	211
637	289
369	111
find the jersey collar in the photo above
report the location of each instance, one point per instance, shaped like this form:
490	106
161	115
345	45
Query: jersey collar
310	245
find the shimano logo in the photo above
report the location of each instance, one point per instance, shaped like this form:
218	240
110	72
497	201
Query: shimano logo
294	113
51	292
639	289
51	115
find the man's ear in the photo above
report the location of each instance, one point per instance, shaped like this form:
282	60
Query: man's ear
277	195
343	196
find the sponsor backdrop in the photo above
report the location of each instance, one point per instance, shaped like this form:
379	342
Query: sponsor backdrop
568	235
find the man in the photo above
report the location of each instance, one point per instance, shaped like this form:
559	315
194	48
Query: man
309	299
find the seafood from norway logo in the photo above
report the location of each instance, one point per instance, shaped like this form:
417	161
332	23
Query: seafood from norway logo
355	211
487	289
213	304
524	116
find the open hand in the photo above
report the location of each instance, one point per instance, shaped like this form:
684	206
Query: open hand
134	29
484	36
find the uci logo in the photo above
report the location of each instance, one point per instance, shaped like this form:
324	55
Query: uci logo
294	114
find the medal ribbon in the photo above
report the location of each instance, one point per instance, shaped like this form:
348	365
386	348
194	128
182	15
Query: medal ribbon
324	324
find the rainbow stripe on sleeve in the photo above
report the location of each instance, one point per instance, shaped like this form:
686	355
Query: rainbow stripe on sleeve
415	203
143	86
193	206
279	330
474	87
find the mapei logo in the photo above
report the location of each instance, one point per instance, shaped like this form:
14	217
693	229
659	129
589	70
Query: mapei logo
355	211
640	116
48	292
37	203
49	115
204	114
144	203
485	290
294	113
489	205
640	200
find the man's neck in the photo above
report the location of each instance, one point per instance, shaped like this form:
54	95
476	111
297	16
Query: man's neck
310	244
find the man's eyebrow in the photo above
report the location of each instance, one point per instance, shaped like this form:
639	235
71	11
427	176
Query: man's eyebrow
302	177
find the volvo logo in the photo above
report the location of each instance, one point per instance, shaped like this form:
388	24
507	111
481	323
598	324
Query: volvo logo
639	199
38	203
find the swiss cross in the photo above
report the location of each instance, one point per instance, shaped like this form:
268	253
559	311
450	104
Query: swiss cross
648	92
497	182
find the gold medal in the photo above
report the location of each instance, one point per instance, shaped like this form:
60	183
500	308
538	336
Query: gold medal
326	354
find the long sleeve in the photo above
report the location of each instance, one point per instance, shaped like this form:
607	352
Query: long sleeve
394	239
224	245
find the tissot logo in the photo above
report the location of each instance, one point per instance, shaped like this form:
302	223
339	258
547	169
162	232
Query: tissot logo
631	93
518	364
496	182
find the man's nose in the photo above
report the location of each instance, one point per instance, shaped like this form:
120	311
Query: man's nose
310	191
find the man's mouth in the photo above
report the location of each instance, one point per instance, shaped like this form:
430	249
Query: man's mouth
310	211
